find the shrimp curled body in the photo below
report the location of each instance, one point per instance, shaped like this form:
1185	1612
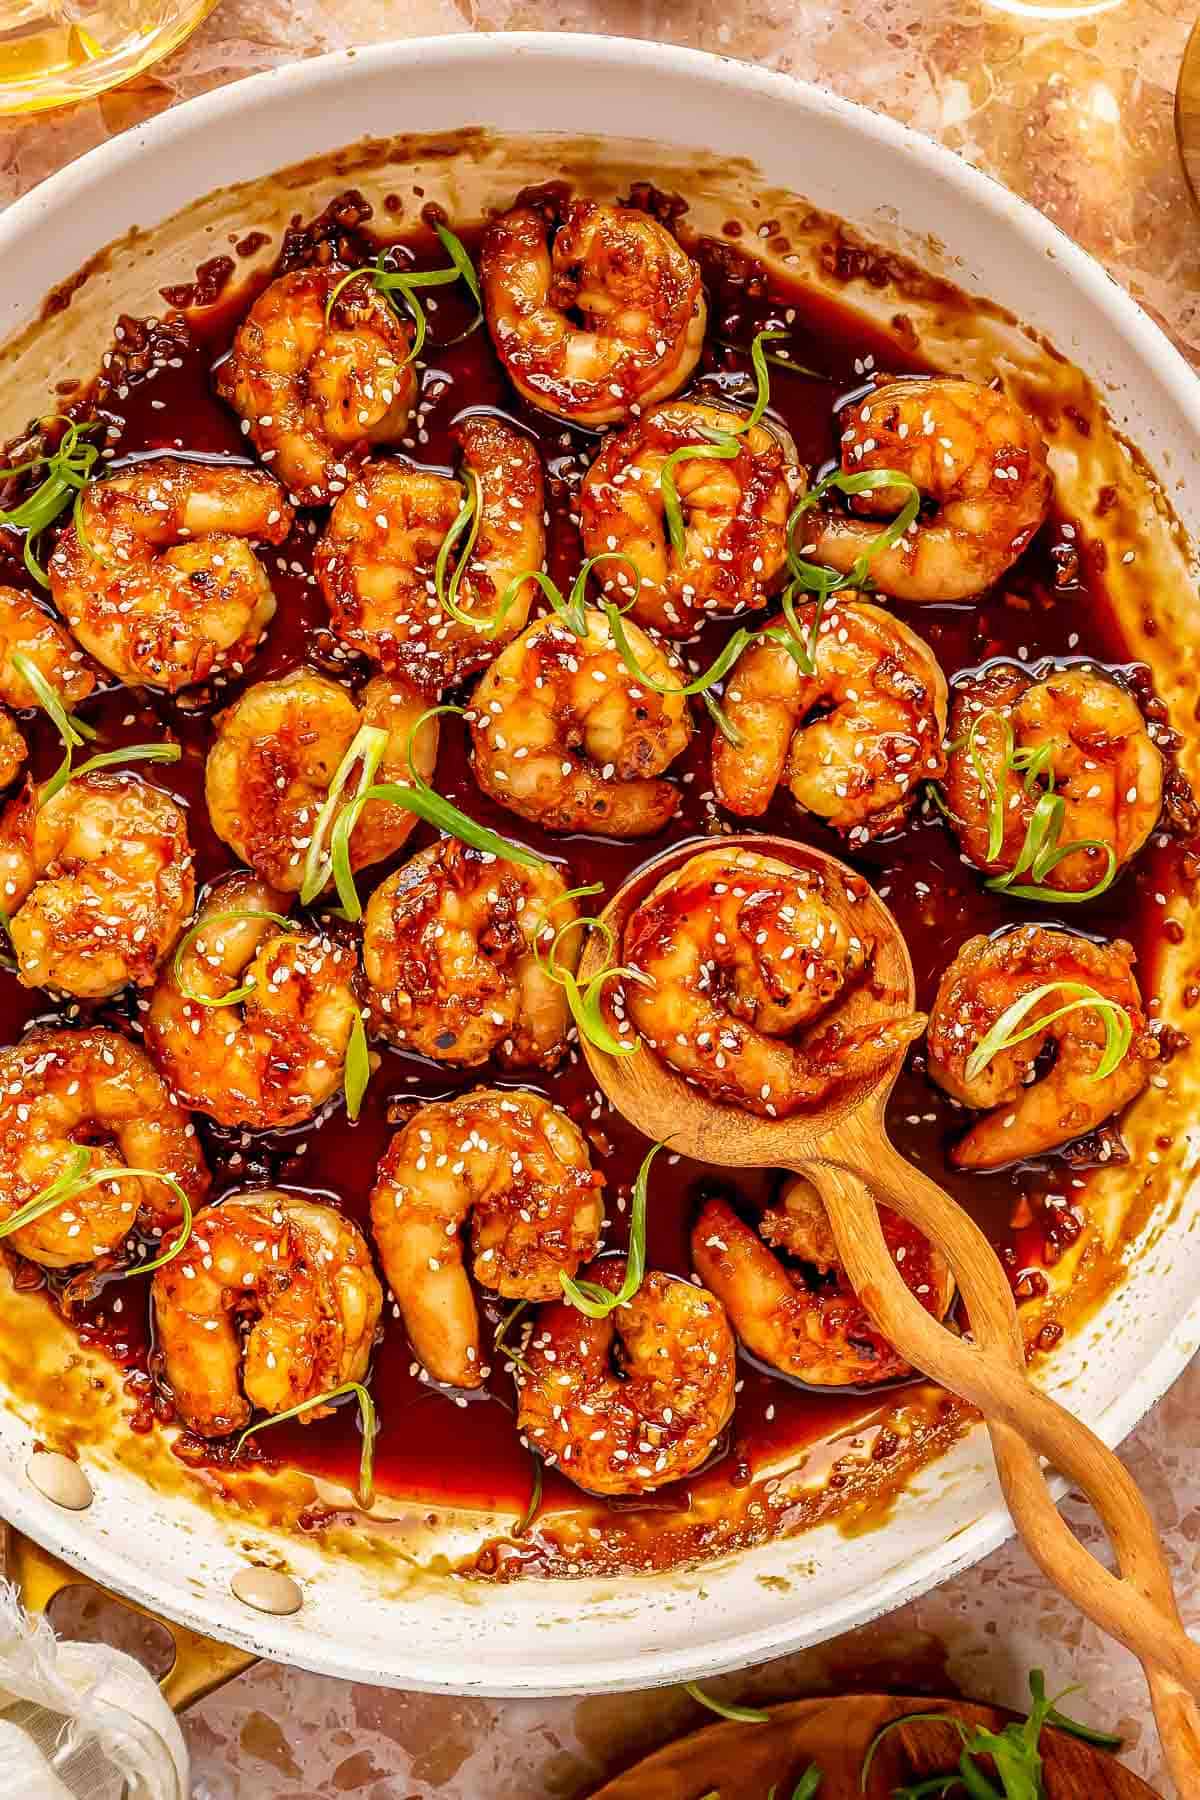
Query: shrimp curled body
60	1090
377	559
97	883
519	1171
1029	1111
161	584
318	376
638	294
454	946
27	629
853	741
566	736
1097	753
293	1270
734	511
738	953
807	1320
967	448
662	1417
275	753
276	1055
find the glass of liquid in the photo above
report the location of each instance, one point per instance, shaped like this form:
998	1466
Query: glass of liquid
55	51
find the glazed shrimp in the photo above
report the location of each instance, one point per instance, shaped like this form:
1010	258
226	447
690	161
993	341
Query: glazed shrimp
317	380
595	315
96	883
807	1321
565	736
163	587
451	948
275	753
853	741
966	447
272	1303
60	1090
377	558
1031	1110
28	628
277	1055
656	1420
1094	751
13	750
519	1171
735	514
739	952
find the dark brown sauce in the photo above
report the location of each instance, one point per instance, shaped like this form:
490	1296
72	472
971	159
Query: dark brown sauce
440	1448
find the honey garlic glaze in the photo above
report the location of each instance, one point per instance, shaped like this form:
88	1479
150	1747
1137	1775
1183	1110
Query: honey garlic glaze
792	1455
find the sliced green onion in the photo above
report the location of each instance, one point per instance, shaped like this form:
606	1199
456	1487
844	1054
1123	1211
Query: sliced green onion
716	671
1042	852
77	1178
915	1718
107	759
72	731
781	359
456	250
741	1715
69	469
720	442
368	1424
588	1296
500	1346
1008	1031
996	793
421	800
807	1787
586	1004
815	576
406	282
189	937
367	747
535	1498
358	1067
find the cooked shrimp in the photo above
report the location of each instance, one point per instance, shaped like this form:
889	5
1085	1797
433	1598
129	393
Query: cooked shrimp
631	1423
1030	1109
451	948
60	1090
13	750
735	513
738	952
162	585
565	736
275	753
853	741
966	447
1096	755
519	1170
96	883
28	628
274	1057
317	380
298	1275
377	559
807	1321
595	315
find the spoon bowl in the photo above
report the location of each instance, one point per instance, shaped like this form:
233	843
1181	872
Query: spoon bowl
842	1147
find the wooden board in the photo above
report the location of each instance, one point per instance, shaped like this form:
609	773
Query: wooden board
741	1762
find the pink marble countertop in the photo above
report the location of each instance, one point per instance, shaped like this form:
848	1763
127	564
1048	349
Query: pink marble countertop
1074	111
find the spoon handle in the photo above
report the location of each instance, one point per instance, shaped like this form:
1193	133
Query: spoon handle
1137	1608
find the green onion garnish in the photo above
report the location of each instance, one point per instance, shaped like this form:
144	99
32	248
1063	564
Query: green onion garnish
108	759
597	1302
741	1715
73	733
419	799
720	442
406	282
69	469
1008	1031
716	671
535	1498
586	1004
358	1067
1042	850
77	1178
500	1345
189	937
368	1424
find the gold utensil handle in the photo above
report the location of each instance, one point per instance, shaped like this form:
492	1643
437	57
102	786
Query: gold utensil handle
1137	1608
200	1666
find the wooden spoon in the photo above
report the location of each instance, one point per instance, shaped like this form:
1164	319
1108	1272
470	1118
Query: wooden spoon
836	1147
